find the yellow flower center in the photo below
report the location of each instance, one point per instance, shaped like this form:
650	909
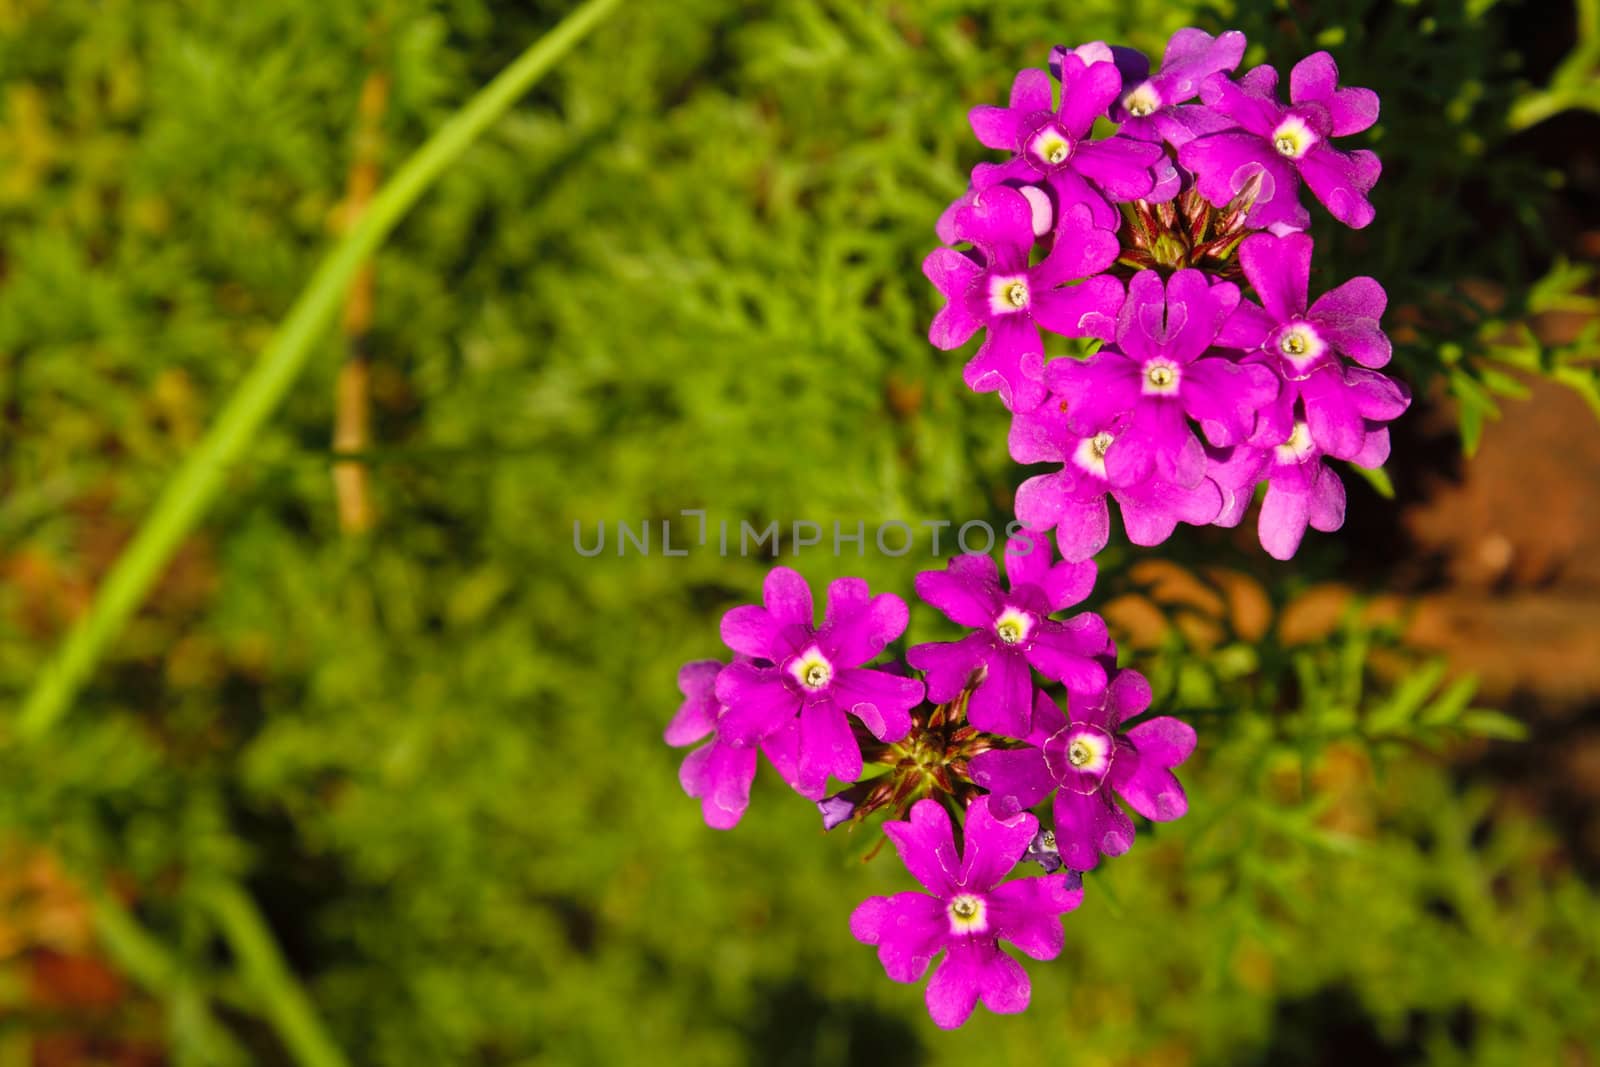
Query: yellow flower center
1160	377
1141	101
967	914
812	669
1012	626
1079	753
1293	138
1017	295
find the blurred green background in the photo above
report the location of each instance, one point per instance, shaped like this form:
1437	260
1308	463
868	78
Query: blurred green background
404	718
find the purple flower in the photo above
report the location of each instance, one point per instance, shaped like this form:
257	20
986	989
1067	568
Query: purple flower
1052	146
1012	300
1155	107
719	773
1085	760
1162	371
1072	500
1301	490
1012	631
1340	405
1288	144
811	677
968	913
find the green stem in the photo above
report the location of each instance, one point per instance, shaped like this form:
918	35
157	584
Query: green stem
144	959
283	1001
192	489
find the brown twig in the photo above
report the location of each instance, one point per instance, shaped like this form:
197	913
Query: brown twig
352	430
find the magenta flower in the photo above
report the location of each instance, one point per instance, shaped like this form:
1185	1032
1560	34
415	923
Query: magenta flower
1072	500
1012	631
1288	144
1162	371
1301	490
968	913
813	676
1052	146
1085	760
1340	404
1013	300
719	774
1156	107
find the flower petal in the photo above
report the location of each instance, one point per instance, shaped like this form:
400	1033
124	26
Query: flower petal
908	928
756	701
1027	912
880	700
1089	825
927	847
993	845
1016	778
857	626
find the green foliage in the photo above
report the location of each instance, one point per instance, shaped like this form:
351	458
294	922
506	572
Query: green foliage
684	273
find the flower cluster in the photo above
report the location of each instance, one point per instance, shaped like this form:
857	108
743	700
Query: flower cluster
982	721
1174	246
1200	390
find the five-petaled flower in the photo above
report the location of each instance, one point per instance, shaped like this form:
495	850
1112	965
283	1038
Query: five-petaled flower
1012	632
1084	759
967	911
1288	144
800	674
999	292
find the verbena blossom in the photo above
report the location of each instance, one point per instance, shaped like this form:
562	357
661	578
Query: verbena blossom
996	290
1072	500
1341	404
800	674
1012	632
1162	371
1326	406
1086	760
720	773
1156	107
1200	394
1288	144
967	911
1050	143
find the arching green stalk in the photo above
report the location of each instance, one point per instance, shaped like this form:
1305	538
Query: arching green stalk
192	489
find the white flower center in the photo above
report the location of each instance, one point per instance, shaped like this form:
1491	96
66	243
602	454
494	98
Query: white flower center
1298	446
966	913
1293	138
812	669
1051	146
1160	378
1142	101
1301	344
1008	294
1012	625
1091	453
